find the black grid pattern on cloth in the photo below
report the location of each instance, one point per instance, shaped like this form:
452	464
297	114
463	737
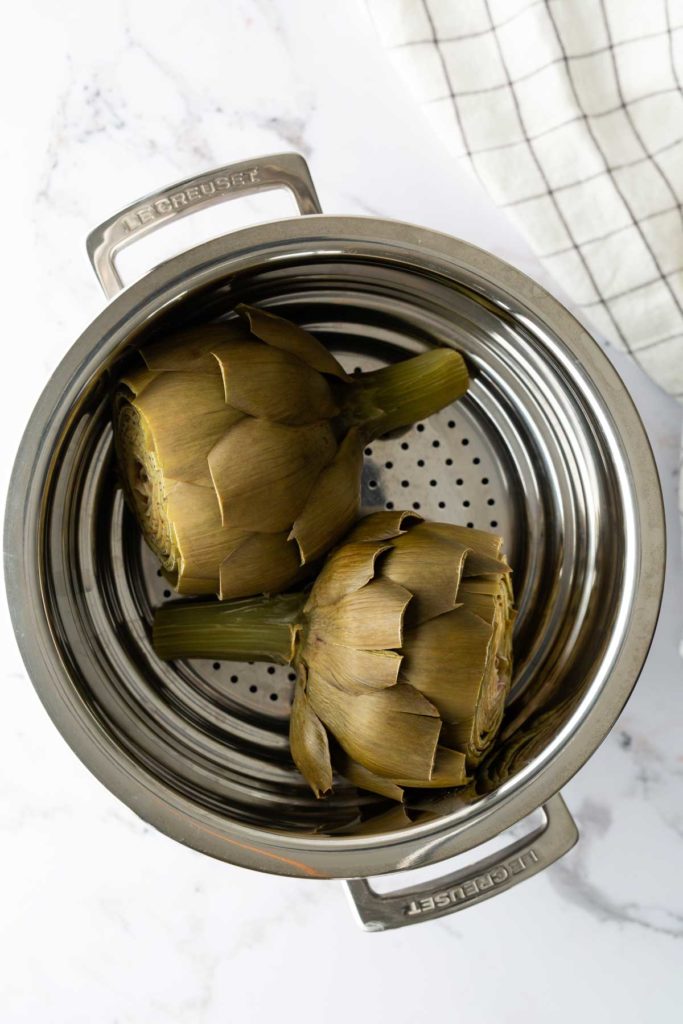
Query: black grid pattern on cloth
536	71
617	75
556	127
672	55
654	344
467	35
636	288
544	176
643	155
634	219
606	299
599	174
446	73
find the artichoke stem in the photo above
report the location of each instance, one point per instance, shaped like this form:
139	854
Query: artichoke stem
256	629
413	389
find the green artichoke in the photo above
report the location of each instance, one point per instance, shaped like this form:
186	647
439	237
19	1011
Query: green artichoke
402	648
240	446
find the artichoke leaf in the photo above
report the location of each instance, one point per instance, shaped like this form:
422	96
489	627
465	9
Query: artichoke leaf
190	350
367	619
383	525
345	570
269	383
193	585
185	415
391	732
430	568
258	563
449	770
309	744
137	379
332	505
446	659
483	595
363	778
284	334
263	472
478	564
481	542
353	670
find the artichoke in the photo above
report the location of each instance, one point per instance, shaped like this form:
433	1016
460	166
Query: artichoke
240	446
402	650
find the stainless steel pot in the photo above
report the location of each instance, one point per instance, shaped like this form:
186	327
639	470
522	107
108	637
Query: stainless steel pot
546	448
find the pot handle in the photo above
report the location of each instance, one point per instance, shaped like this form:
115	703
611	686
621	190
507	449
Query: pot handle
282	170
523	858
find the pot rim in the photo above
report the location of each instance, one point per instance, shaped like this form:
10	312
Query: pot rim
169	811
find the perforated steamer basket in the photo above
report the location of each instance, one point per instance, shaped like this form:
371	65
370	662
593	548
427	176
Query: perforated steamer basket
546	449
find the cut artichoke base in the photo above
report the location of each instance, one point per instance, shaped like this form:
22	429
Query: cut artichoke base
144	485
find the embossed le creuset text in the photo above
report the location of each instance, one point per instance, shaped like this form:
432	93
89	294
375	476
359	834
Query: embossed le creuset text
502	873
186	197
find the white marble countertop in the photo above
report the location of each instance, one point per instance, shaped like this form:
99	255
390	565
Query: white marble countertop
103	920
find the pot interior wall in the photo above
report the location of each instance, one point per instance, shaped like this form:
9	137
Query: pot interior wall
525	453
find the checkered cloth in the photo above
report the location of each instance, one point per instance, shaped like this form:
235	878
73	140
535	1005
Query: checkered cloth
570	112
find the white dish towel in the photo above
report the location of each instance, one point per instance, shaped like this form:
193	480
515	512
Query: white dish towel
570	112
